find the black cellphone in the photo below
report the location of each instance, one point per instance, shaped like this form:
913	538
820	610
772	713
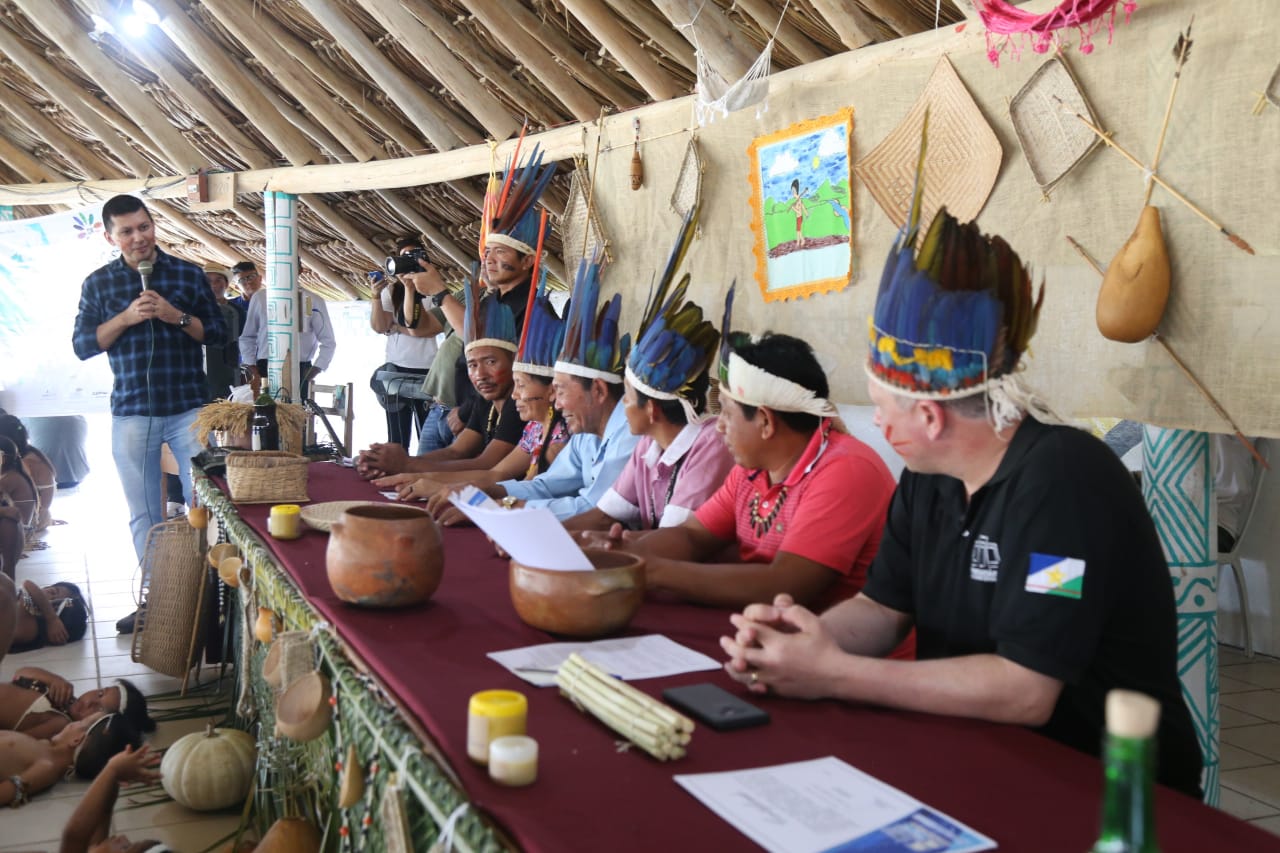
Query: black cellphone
715	706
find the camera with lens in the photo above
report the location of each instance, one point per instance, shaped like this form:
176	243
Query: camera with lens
406	263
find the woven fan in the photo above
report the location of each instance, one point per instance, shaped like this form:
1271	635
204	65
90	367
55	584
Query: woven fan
1052	146
688	189
963	158
580	231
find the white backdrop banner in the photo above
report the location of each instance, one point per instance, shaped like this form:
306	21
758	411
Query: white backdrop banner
43	262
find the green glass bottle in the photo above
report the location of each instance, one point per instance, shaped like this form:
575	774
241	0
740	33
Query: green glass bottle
264	426
1129	761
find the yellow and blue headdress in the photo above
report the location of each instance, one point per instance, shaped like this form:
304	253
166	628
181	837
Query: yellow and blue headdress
675	344
543	334
487	322
592	348
510	203
954	318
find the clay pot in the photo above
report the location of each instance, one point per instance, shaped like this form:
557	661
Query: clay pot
304	712
580	604
384	555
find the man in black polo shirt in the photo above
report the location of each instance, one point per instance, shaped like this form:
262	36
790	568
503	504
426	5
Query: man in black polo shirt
1021	553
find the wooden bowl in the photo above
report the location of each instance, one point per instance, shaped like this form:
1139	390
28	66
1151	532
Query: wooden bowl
580	604
220	552
304	712
229	570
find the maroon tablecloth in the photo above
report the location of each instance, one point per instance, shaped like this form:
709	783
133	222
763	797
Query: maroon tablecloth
1027	792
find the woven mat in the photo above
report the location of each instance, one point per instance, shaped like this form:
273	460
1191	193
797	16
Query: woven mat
688	189
322	516
581	233
962	162
1053	141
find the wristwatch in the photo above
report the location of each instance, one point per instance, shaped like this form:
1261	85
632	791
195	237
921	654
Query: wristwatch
510	501
437	299
184	321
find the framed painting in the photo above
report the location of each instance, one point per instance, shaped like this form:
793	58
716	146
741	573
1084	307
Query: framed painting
802	207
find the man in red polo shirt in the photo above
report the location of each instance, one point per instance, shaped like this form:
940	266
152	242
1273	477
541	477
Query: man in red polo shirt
802	510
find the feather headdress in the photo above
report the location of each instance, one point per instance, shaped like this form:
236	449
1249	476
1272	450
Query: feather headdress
543	334
486	322
592	348
675	345
510	202
954	316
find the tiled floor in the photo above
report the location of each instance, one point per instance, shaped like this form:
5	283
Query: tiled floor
93	550
1250	705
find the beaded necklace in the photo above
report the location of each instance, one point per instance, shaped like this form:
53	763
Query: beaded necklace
546	437
761	526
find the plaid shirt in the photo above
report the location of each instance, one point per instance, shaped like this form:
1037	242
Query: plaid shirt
161	378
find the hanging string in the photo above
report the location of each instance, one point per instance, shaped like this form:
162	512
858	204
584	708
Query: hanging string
1042	30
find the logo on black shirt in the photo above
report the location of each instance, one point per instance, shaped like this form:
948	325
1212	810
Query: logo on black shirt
984	564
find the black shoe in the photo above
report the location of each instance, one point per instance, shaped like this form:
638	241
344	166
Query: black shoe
126	624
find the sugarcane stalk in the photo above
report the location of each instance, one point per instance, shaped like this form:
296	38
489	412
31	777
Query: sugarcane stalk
639	718
675	719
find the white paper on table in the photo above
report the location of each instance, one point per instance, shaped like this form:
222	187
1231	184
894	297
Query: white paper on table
533	536
828	805
628	658
390	494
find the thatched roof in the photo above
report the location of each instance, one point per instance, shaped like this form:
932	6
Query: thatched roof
230	85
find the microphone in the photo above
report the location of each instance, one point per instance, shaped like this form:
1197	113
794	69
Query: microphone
144	270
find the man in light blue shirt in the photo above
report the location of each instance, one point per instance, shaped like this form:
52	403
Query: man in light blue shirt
599	446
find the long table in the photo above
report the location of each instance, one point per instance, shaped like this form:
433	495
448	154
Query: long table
1027	792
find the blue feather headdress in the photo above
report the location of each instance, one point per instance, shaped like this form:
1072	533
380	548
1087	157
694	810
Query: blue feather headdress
675	345
953	316
543	335
487	321
592	348
510	203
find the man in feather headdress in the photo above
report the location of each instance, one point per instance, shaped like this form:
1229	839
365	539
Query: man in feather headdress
510	243
680	460
1021	553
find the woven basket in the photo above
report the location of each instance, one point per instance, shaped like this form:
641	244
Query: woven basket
960	167
1052	145
267	476
167	635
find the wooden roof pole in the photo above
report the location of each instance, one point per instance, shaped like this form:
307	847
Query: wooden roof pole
234	83
441	240
602	24
537	108
76	152
61	29
528	51
426	116
28	166
293	77
339	223
208	239
433	55
897	15
797	43
312	261
850	21
705	26
205	109
102	122
564	53
300	119
659	31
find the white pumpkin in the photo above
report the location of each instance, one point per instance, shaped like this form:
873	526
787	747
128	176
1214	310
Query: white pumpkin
210	770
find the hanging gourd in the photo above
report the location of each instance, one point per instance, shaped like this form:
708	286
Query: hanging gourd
351	789
209	770
290	835
637	167
1135	288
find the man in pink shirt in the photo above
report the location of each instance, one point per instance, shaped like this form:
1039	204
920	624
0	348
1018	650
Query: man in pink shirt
805	504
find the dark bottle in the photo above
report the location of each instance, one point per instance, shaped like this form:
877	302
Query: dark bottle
264	426
1129	762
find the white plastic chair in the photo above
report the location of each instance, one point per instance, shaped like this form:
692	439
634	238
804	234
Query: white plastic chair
1232	557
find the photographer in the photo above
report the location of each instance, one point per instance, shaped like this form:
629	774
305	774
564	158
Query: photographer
392	309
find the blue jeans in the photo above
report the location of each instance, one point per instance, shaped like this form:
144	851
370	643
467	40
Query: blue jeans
435	433
135	445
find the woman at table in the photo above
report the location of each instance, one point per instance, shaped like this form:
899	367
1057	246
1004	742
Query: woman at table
543	437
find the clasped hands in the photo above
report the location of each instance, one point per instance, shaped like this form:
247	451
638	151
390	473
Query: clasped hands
150	305
781	648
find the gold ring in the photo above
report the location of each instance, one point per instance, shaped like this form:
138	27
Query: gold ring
755	677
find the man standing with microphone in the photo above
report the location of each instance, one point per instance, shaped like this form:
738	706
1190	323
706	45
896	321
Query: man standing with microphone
152	314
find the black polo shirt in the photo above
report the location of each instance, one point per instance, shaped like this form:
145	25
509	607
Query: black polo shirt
1053	564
